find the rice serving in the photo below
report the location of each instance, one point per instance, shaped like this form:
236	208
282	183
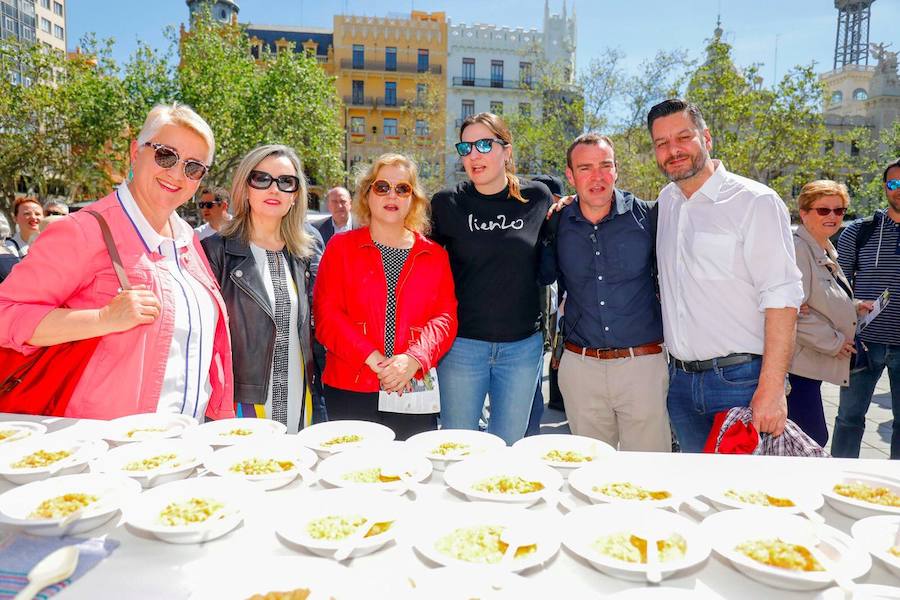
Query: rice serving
61	506
868	493
480	544
633	549
778	553
189	512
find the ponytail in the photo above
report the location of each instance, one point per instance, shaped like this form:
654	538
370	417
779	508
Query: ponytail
514	186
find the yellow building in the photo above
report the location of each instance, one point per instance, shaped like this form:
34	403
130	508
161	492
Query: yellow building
391	74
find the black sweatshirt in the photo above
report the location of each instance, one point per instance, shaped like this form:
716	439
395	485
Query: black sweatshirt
494	244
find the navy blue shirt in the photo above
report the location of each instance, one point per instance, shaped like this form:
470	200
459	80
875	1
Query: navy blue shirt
608	271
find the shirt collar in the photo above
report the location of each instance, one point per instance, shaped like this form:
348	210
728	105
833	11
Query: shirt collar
622	203
710	188
152	239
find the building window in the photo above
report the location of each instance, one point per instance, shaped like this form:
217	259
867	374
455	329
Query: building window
496	107
421	128
421	92
57	9
468	71
27	34
525	74
358	125
390	58
58	32
837	97
390	128
497	73
525	109
45	4
359	56
422	63
9	24
860	94
45	25
358	92
468	108
390	93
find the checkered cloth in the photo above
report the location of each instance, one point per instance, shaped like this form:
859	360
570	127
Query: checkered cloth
733	433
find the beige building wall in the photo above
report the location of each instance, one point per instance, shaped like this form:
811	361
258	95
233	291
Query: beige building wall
50	25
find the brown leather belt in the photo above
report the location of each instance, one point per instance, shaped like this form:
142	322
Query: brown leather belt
608	353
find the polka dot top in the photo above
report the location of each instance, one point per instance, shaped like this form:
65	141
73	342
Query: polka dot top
393	260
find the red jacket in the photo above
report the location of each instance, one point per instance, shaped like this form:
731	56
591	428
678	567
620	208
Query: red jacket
350	300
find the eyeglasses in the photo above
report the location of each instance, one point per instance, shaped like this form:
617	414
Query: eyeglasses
824	212
892	184
261	180
383	188
55	213
208	204
483	146
167	158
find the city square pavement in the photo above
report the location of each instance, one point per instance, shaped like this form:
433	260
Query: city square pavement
876	441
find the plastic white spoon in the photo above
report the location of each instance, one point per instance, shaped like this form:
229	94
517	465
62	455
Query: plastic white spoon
514	538
353	540
654	573
53	568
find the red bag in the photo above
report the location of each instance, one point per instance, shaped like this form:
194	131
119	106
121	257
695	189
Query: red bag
42	382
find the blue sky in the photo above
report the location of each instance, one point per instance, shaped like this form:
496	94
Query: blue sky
805	29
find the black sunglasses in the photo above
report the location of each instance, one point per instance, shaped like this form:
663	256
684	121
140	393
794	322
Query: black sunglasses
208	204
55	213
261	180
483	146
167	158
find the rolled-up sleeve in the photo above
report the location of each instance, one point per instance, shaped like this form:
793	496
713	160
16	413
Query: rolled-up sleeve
769	255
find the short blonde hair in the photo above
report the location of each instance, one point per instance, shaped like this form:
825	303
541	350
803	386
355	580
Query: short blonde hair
181	115
820	188
419	218
296	240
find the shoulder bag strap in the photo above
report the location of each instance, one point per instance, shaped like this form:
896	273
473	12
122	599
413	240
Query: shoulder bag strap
113	251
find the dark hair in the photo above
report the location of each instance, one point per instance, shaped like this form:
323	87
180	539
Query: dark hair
219	194
893	165
553	183
673	106
589	138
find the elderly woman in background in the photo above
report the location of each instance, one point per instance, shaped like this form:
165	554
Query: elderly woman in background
164	343
55	208
384	305
825	332
263	259
28	213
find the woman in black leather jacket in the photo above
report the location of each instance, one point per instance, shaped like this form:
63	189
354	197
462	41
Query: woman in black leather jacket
263	260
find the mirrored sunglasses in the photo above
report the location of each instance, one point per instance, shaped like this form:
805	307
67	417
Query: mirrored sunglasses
892	184
167	158
261	180
483	146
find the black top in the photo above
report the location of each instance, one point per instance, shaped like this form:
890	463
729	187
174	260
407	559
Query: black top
493	242
393	260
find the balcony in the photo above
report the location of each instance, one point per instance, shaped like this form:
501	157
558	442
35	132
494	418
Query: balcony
379	65
374	102
504	84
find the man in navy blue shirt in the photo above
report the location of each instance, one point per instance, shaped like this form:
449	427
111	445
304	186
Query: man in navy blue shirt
613	373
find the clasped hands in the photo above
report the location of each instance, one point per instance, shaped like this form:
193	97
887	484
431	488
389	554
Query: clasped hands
394	373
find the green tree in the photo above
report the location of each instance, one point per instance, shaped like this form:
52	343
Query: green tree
422	126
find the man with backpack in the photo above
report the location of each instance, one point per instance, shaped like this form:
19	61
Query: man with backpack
869	254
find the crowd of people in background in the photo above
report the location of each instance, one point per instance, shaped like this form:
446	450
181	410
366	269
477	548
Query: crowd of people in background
668	313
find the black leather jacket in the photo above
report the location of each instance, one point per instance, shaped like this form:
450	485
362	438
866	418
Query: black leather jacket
251	321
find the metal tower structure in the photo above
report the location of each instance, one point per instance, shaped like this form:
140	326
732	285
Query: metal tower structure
851	45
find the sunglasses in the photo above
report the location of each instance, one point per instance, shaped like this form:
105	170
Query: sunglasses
208	204
892	184
383	188
55	213
824	212
167	158
483	146
261	180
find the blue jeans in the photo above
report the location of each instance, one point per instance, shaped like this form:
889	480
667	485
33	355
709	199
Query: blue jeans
537	408
855	399
507	371
695	398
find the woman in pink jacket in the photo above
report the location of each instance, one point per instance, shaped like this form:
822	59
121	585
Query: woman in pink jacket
165	344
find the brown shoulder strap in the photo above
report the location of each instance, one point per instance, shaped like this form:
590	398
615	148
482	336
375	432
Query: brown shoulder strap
113	252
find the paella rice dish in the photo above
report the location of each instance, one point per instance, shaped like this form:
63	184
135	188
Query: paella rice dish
338	527
154	462
343	439
457	448
504	484
868	493
298	594
61	506
633	549
480	544
780	554
134	432
759	498
236	432
261	466
629	491
41	458
567	456
189	512
372	475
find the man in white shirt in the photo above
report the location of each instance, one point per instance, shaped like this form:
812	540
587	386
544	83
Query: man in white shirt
729	283
341	220
213	207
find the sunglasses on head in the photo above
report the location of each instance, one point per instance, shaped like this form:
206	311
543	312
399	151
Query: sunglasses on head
383	188
208	204
167	158
483	146
892	184
261	180
824	212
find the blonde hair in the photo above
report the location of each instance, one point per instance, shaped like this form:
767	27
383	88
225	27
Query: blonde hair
814	190
181	115
296	240
499	128
418	219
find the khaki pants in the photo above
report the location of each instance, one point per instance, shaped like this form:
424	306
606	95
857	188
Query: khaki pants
620	401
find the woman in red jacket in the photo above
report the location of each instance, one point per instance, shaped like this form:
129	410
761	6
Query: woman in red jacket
384	304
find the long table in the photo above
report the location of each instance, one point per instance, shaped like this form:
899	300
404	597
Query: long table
144	567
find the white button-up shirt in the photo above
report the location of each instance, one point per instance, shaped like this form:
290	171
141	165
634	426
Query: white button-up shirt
186	387
725	255
348	226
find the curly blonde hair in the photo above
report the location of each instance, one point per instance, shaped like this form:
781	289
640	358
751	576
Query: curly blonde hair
419	218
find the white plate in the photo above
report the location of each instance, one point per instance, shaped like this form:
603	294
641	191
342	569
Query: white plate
797	491
864	591
503	463
477	441
441	519
81	452
394	456
142	427
343	502
284	448
189	455
728	529
112	491
21	431
537	446
859	509
456	583
666	593
877	534
234	494
315	436
603	472
583	526
219	434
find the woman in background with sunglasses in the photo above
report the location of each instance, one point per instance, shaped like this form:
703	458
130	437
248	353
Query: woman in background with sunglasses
825	333
384	303
492	227
164	343
262	259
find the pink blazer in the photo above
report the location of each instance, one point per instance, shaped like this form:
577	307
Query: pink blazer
69	266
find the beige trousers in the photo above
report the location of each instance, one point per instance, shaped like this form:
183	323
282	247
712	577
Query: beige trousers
620	401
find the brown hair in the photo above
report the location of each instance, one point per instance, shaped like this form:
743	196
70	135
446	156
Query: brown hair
590	138
418	219
814	190
25	200
499	128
